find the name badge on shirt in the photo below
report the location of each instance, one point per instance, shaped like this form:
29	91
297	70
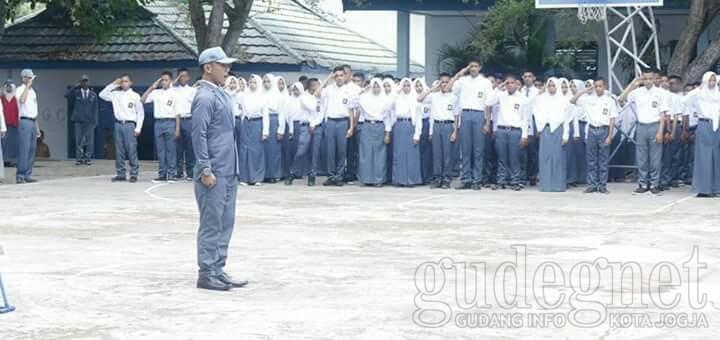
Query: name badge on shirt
345	101
654	104
480	95
450	107
426	110
169	103
605	112
131	105
516	107
317	108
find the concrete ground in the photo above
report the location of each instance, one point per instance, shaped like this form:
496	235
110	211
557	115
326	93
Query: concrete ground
89	259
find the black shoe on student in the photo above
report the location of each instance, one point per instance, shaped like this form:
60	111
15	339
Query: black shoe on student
655	190
640	190
212	283
133	179
533	182
311	181
289	180
476	186
161	179
329	182
498	187
675	184
445	186
516	187
603	190
226	279
464	186
79	162
118	179
88	162
590	190
30	180
705	196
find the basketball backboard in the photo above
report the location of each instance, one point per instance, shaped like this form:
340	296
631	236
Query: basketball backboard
611	3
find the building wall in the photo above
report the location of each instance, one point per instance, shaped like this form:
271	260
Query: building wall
51	85
450	28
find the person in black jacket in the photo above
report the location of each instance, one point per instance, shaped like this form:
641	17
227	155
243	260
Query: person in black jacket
84	116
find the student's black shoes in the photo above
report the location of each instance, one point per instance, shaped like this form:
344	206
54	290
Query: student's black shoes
226	279
289	180
212	283
118	179
133	179
464	186
311	181
590	190
640	190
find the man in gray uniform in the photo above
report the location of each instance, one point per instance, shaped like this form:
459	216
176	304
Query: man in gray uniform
216	170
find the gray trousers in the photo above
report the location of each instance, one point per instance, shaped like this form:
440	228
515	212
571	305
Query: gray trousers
472	144
671	158
184	149
165	147
302	142
317	147
335	131
648	154
426	157
598	157
509	156
10	144
273	151
84	141
27	145
217	220
126	149
443	152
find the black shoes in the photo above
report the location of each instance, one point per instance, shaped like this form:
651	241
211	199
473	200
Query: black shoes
311	181
590	190
226	279
516	187
329	182
289	180
118	179
640	190
159	180
603	190
655	190
498	186
133	179
476	186
464	186
213	283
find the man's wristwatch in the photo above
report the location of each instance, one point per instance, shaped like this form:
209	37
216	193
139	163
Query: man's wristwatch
206	172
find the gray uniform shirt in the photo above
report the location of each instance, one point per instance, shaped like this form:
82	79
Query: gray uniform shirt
213	131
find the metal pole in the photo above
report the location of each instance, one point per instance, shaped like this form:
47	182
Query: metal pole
655	37
608	55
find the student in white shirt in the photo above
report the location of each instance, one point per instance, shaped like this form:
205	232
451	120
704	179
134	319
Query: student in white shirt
552	116
406	123
373	107
339	101
472	89
275	97
317	131
651	106
511	133
129	116
672	149
162	96
301	111
689	126
531	88
353	84
577	161
706	170
443	129
28	128
255	132
426	165
600	111
184	95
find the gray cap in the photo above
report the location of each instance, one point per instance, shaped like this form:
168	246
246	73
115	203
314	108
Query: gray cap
27	73
84	77
214	55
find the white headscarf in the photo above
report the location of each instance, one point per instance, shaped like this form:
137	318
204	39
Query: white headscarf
228	81
580	85
253	101
405	102
393	87
243	82
374	103
707	100
551	108
567	83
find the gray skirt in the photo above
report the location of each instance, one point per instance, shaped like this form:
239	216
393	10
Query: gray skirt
552	161
373	154
273	151
251	153
706	169
406	155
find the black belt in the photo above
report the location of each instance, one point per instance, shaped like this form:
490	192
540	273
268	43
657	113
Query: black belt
705	120
338	119
238	117
301	123
426	119
468	110
374	121
253	119
598	127
404	119
124	121
185	118
582	121
28	118
164	119
505	127
272	114
444	121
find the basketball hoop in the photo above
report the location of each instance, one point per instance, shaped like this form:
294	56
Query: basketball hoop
589	10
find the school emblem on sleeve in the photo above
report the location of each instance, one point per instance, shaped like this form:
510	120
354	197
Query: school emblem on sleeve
516	107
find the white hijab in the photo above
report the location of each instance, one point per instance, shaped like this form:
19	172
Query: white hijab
567	83
254	101
228	81
405	102
374	104
707	100
551	108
